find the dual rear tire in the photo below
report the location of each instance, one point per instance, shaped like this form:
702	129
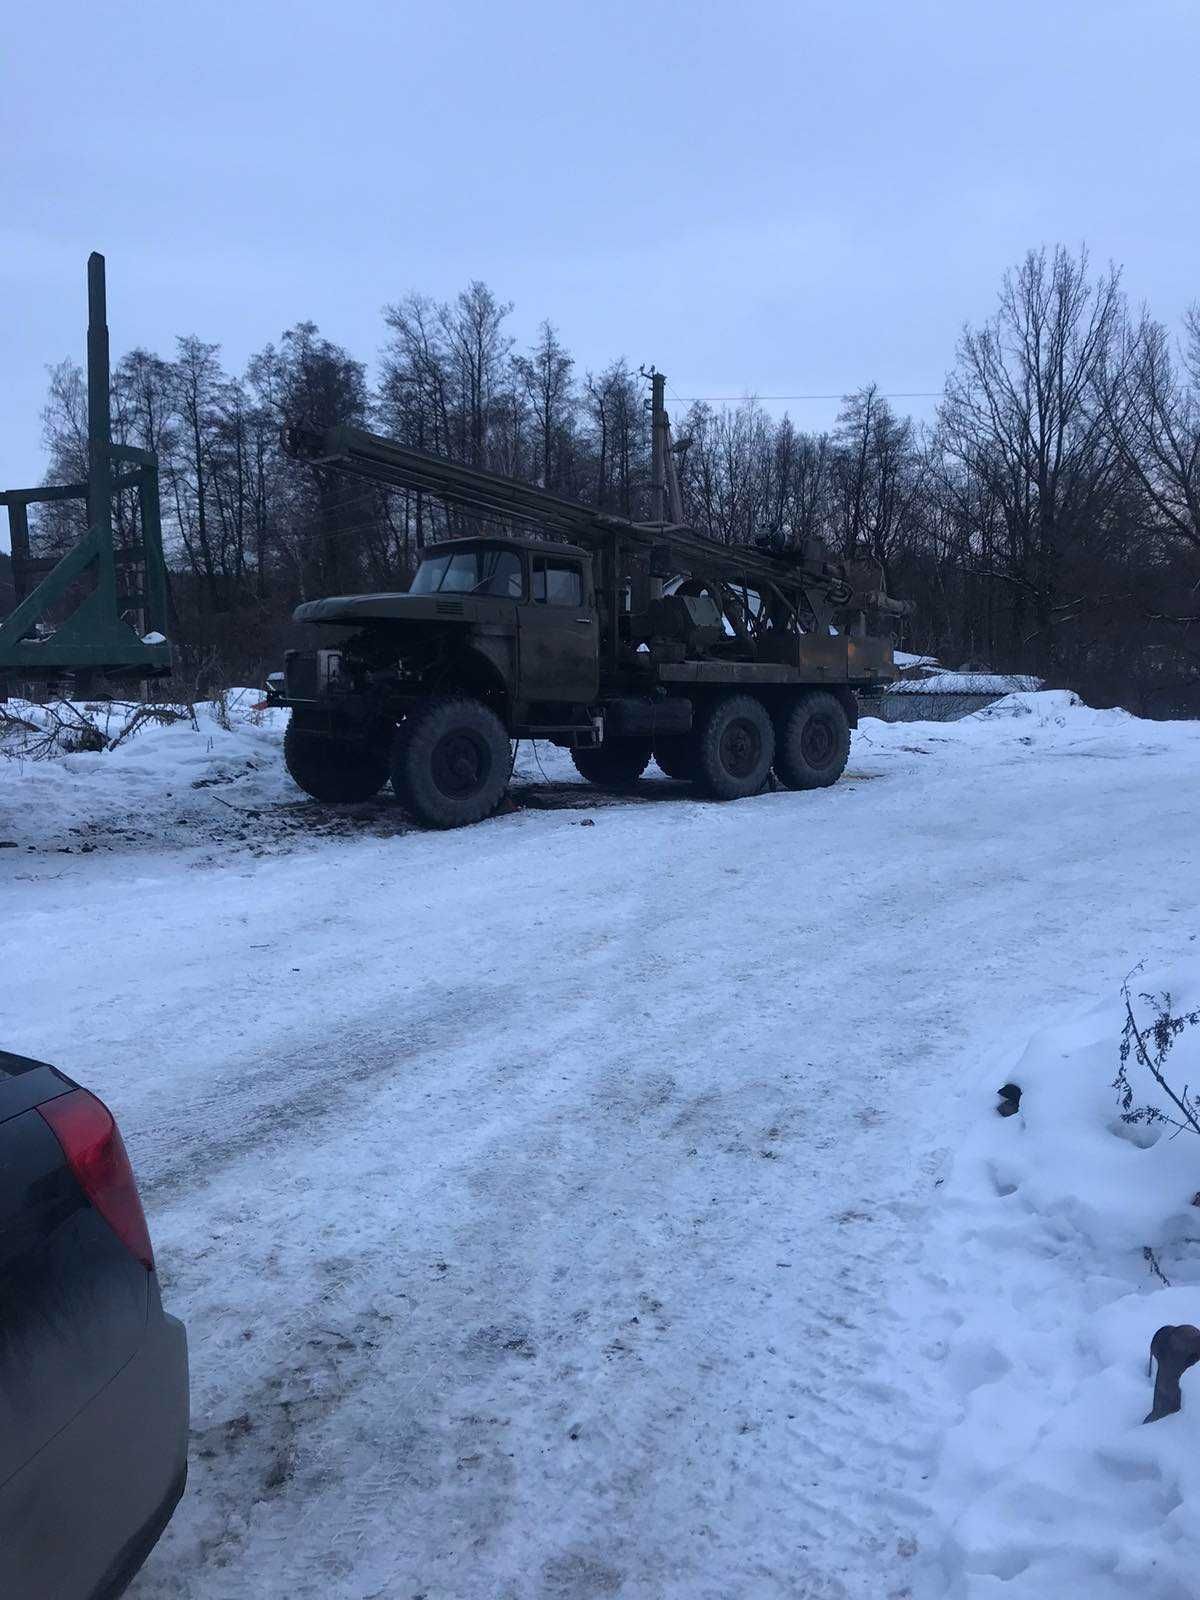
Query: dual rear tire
738	742
734	745
812	740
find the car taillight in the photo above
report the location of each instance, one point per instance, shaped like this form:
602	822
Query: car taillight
95	1153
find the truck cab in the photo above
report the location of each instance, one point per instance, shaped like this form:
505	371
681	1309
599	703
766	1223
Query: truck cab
514	620
553	604
501	632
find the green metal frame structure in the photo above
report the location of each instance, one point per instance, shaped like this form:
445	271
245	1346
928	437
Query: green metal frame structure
95	639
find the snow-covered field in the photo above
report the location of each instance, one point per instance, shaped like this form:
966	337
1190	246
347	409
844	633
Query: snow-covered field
608	1200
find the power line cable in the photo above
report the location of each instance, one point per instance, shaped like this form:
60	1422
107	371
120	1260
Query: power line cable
735	399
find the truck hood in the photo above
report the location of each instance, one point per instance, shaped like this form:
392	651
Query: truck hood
349	609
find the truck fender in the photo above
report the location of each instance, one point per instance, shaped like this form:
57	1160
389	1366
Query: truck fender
484	671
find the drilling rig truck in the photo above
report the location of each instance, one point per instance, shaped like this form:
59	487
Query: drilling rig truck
617	640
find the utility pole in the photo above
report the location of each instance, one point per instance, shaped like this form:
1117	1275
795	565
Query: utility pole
100	474
100	517
666	498
660	439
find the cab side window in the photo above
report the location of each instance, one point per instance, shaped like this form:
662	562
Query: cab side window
557	582
500	574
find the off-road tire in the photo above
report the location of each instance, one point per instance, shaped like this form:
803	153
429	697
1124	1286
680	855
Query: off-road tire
735	746
451	762
331	769
812	741
676	756
615	764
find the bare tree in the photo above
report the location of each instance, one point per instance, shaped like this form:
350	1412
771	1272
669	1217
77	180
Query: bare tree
198	381
618	437
878	478
58	524
1051	524
1020	410
319	386
478	350
1152	403
545	377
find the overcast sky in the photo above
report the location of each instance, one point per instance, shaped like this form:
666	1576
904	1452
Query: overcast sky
776	196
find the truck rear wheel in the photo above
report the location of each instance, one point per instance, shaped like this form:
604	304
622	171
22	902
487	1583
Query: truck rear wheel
451	762
676	756
735	745
812	741
332	769
615	764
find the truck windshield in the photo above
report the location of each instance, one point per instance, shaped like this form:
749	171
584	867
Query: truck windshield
482	571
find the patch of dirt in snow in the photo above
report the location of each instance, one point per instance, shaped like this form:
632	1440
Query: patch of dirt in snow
216	785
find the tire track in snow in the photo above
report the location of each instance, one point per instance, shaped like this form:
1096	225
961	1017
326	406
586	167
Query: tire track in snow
552	1236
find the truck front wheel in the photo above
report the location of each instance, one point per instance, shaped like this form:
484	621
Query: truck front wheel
451	762
812	741
332	769
735	745
615	764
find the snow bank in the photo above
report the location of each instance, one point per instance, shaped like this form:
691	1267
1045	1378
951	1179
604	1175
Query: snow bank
905	659
199	776
966	683
214	773
1049	1254
156	780
1045	717
1052	708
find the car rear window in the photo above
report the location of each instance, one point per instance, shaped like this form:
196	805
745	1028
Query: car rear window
11	1065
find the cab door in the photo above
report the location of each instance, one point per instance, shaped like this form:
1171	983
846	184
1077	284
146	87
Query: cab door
559	631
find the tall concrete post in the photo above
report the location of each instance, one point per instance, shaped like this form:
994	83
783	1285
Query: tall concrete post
659	445
100	473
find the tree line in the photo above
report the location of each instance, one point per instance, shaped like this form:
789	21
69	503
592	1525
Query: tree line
1047	521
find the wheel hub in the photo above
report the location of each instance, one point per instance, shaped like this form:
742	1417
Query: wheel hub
460	764
818	741
740	748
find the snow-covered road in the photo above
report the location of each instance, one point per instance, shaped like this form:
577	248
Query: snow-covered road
539	1197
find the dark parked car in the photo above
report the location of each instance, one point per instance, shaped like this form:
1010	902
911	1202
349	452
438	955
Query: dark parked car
93	1373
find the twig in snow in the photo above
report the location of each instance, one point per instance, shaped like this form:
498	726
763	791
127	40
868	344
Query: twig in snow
1152	1261
1150	1046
